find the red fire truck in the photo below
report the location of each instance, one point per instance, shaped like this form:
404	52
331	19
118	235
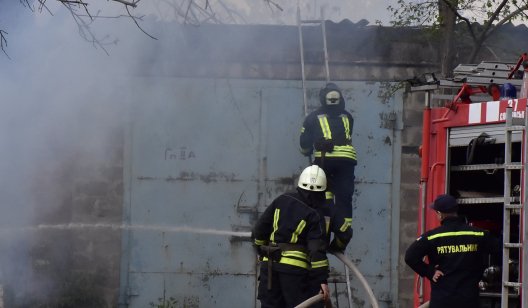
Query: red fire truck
474	148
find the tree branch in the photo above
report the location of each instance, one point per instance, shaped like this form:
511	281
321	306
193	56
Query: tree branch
84	28
489	28
3	42
137	24
466	21
489	23
128	3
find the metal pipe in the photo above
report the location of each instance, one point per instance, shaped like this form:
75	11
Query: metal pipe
426	133
323	30
424	176
524	220
301	50
506	215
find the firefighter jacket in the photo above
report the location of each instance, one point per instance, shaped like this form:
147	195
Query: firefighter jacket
458	251
297	228
334	125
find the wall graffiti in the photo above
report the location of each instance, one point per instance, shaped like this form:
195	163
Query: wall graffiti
182	153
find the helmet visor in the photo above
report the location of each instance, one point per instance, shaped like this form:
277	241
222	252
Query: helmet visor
332	98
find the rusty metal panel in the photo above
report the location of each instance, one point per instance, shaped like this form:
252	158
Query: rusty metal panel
204	155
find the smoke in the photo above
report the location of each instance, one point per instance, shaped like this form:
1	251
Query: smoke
63	108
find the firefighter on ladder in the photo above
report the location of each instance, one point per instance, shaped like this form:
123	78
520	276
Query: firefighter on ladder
329	130
290	241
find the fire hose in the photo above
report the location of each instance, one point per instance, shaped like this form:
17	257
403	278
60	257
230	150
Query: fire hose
356	272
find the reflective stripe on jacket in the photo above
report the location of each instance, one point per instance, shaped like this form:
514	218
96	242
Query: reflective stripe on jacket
289	220
458	251
337	127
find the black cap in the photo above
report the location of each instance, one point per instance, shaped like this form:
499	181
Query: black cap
445	204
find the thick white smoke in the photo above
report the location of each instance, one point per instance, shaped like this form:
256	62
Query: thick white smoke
63	101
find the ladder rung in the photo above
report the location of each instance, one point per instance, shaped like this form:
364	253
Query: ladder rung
311	21
513	166
515	128
483	80
477	167
512	284
486	200
513	206
499	66
512	245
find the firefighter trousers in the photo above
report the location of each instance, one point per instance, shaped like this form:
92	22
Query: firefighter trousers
287	289
340	176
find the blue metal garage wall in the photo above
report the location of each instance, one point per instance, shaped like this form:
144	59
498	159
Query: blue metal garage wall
205	154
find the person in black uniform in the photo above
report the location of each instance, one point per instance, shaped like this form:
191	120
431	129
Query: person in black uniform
456	254
328	130
290	241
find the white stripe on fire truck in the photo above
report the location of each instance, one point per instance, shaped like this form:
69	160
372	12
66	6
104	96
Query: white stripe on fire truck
492	111
475	113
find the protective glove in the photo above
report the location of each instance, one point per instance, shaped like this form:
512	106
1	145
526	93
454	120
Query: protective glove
324	145
334	247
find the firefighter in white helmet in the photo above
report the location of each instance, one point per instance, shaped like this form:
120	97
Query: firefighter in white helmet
290	240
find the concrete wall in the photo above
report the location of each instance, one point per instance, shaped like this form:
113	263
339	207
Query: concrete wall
409	195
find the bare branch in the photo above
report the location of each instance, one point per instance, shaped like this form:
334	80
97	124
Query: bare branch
128	3
270	3
3	42
188	8
232	12
135	21
42	4
84	28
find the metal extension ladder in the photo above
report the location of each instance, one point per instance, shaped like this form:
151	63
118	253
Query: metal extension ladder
321	23
513	205
300	24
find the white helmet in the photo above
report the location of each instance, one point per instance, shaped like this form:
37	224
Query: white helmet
312	178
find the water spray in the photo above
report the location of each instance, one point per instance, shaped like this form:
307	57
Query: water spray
117	227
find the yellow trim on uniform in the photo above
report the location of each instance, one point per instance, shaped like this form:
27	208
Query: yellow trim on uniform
319	264
275	224
347	224
294	262
295	234
325	127
457	233
329	195
260	242
346	124
339	243
340	151
295	254
290	261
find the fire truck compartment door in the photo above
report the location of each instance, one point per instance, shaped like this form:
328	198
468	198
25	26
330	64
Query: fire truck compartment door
461	136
